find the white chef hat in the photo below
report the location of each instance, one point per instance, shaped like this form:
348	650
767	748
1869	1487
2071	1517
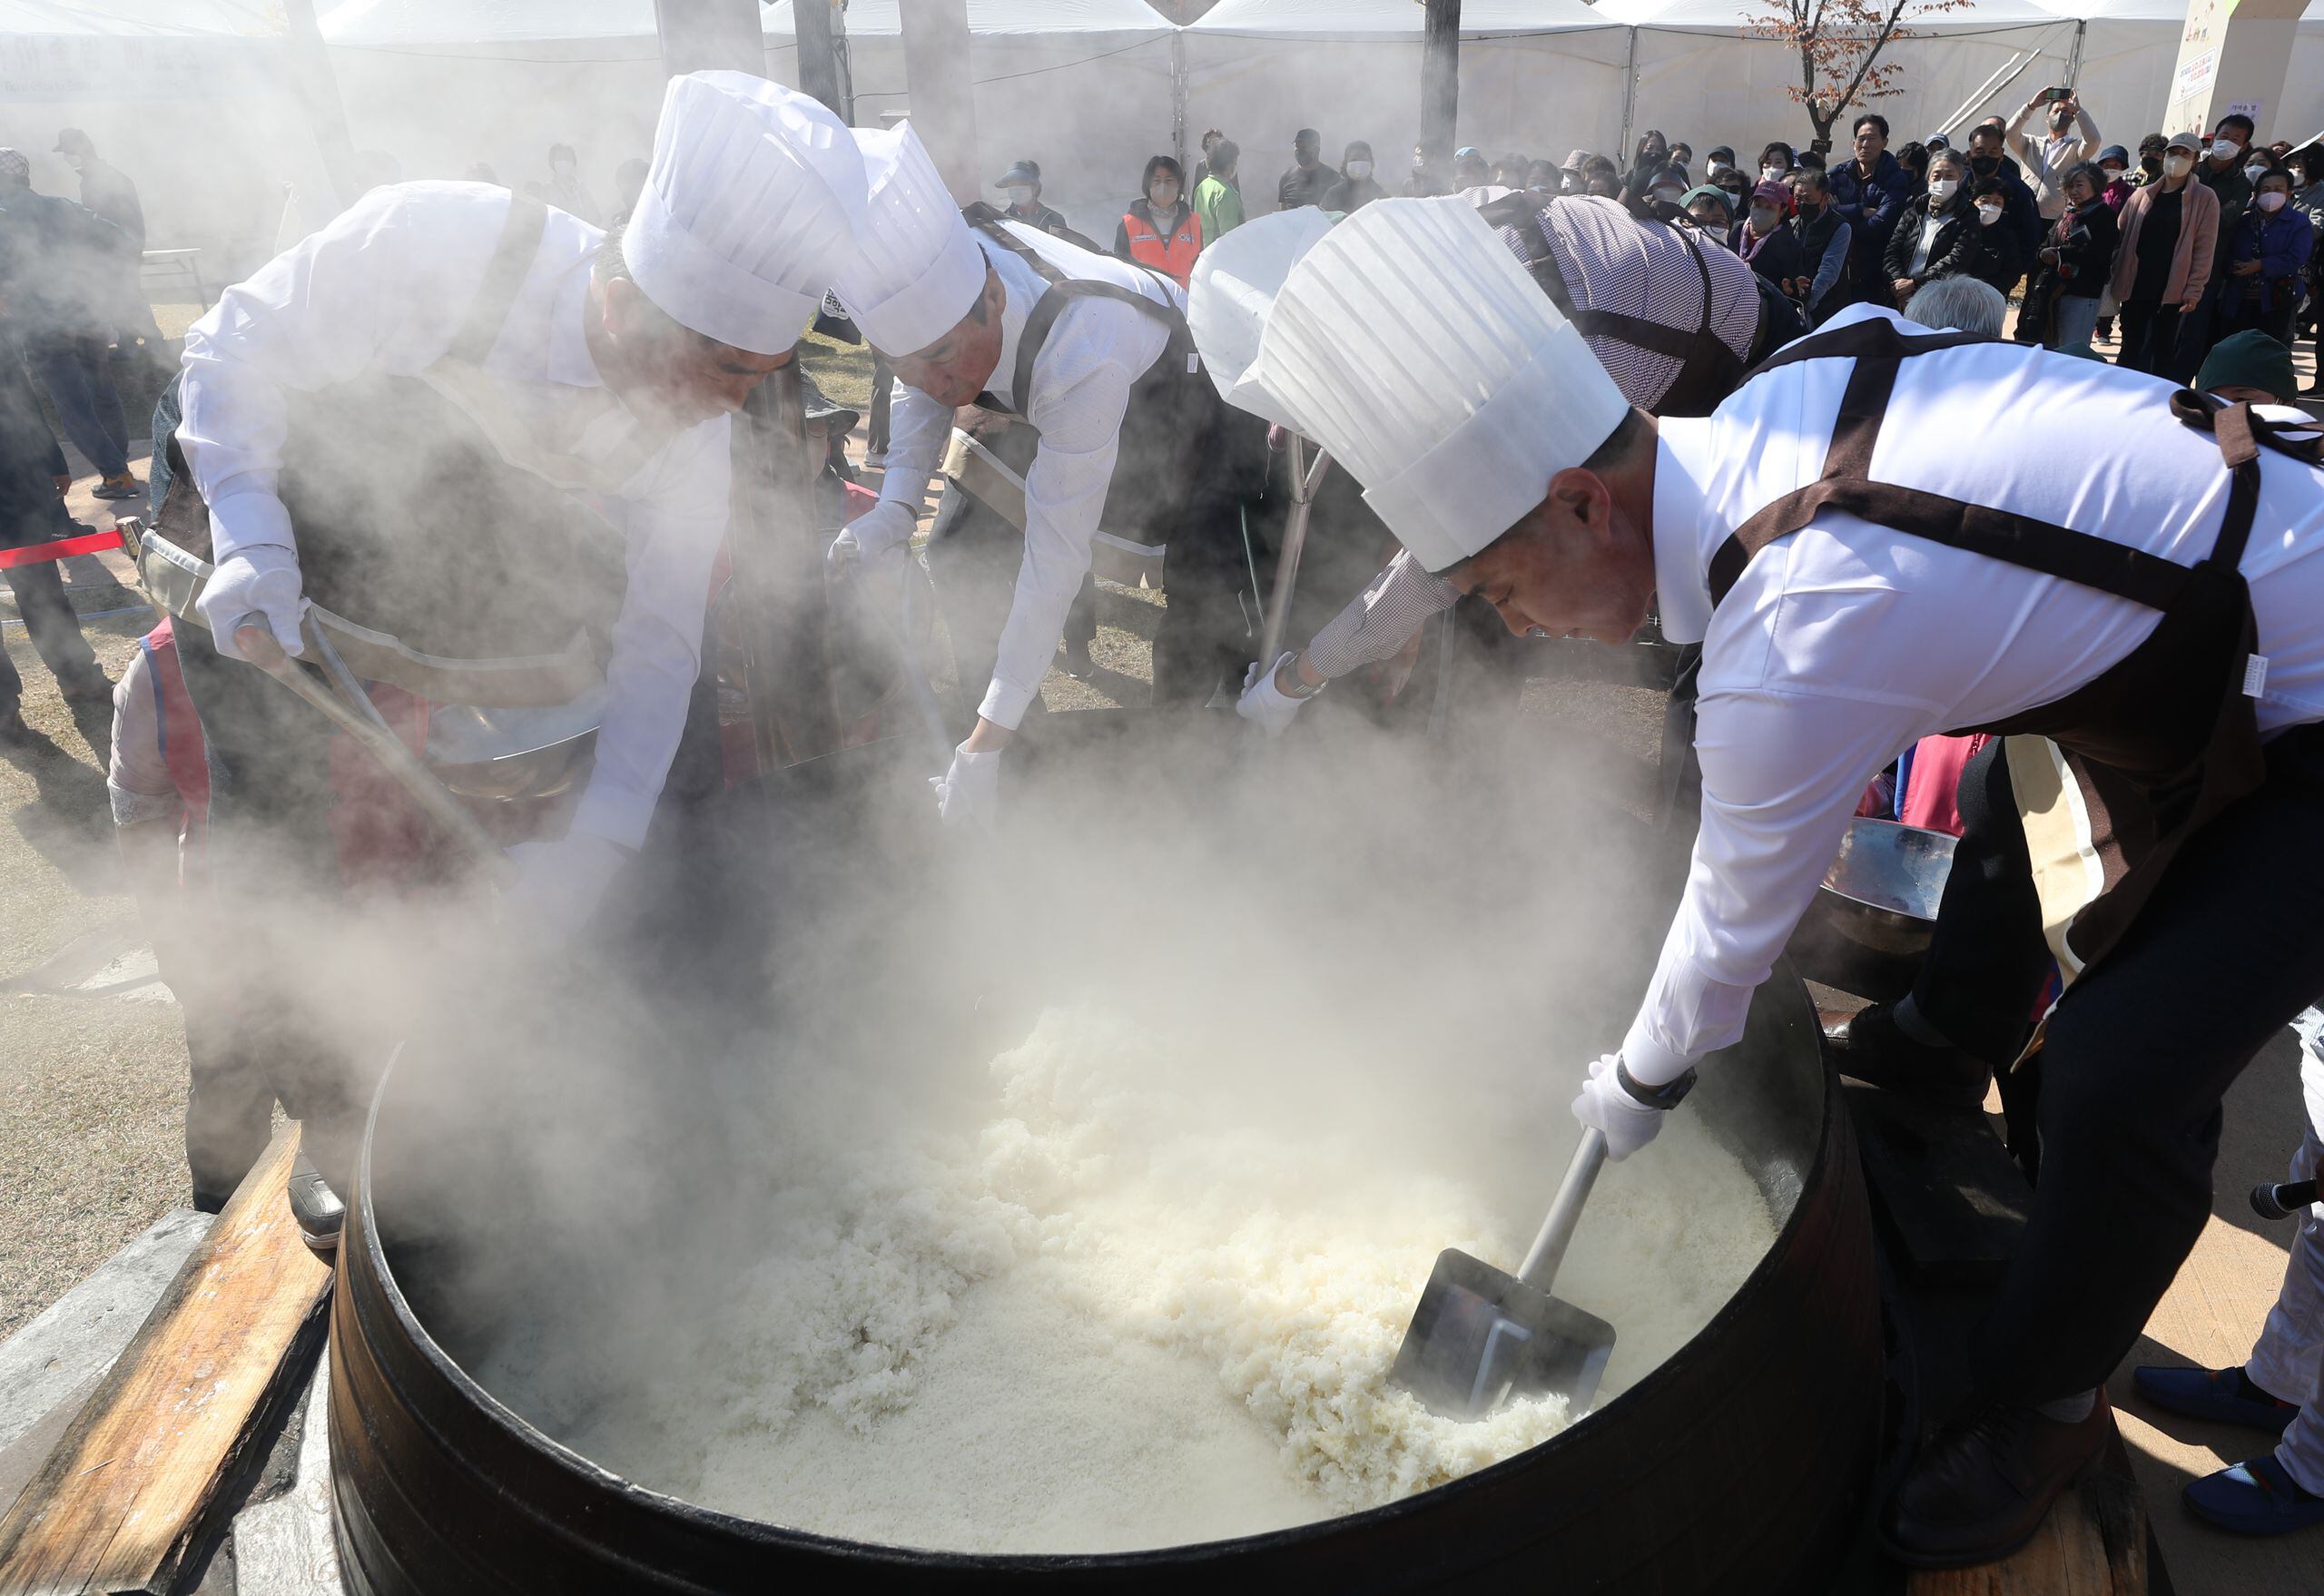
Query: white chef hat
1234	280
749	208
919	269
1410	343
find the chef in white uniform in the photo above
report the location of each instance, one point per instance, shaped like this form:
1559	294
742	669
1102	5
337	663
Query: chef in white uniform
1095	355
497	398
2143	586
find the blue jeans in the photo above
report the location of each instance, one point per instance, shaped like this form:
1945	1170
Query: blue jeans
2073	318
74	368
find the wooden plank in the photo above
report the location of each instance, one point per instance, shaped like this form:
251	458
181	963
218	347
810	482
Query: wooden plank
122	1494
2093	1543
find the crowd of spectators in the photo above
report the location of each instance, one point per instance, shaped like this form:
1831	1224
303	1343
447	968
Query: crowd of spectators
2163	254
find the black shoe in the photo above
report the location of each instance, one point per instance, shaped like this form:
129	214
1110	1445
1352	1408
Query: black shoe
91	686
1077	662
1977	1493
210	1202
315	1207
1866	1046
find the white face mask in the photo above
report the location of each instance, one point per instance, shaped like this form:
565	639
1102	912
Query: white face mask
2272	200
2255	171
2225	149
1771	174
1020	194
561	166
1358	170
1716	167
1988	215
2177	165
1942	189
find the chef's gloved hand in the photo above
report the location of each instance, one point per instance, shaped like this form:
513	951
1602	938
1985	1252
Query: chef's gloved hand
256	585
1628	1123
880	532
1264	704
560	881
970	790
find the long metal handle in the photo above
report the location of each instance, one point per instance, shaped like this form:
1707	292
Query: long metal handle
1304	480
1540	1269
386	749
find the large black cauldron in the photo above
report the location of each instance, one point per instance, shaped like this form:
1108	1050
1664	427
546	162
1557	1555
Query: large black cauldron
1736	1467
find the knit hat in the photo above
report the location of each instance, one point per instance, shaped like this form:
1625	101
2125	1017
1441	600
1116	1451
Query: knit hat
2250	359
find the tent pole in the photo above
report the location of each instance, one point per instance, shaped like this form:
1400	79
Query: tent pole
1178	96
818	57
1439	82
2073	60
2006	73
1630	98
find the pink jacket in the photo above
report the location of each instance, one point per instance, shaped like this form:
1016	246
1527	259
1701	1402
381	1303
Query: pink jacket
2191	261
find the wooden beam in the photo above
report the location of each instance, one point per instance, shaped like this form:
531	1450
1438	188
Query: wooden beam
122	1495
1440	82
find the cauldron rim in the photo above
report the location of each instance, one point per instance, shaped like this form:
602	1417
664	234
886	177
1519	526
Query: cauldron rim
589	1475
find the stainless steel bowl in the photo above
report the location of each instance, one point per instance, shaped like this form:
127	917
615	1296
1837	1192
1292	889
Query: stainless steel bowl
510	755
1883	890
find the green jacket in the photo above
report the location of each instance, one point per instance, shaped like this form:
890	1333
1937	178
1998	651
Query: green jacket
1220	207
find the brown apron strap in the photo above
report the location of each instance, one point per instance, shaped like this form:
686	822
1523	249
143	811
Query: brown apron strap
512	258
2019	540
1060	293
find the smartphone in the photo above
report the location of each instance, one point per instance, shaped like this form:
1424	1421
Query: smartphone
2055	95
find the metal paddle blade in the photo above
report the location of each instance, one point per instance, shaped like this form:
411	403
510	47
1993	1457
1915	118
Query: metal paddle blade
1482	1335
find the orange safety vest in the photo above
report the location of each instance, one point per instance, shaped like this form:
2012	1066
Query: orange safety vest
1174	255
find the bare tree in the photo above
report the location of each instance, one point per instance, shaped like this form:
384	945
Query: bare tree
1839	43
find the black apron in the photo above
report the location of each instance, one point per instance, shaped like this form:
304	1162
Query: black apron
2163	739
1709	370
1172	411
452	549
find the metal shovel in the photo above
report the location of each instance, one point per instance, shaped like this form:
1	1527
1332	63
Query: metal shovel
1481	1336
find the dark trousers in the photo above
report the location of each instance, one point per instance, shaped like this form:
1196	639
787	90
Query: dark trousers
2248	316
1209	627
1987	959
2199	330
884	389
2138	1056
77	371
2150	338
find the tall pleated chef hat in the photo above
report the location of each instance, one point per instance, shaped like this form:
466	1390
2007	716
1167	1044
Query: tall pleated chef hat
919	269
1409	342
1234	280
749	208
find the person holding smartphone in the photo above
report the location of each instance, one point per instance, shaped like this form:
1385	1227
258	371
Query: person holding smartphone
2071	139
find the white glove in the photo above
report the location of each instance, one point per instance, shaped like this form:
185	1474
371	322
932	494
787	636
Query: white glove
560	881
880	533
970	790
1264	704
1628	1123
257	583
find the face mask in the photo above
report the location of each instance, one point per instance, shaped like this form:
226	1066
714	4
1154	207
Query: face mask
2061	120
1988	215
1359	170
2225	149
1810	209
1943	188
1716	167
2149	164
2272	200
1164	196
561	166
1020	195
2114	173
1668	197
1984	165
1771	174
1763	218
2178	165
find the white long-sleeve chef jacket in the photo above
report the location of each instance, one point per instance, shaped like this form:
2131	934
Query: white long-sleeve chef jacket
1843	644
1081	379
386	288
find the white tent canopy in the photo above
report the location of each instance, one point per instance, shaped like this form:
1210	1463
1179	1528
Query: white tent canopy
1539	76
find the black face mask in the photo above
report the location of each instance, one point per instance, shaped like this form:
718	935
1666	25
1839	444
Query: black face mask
2151	165
1984	165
